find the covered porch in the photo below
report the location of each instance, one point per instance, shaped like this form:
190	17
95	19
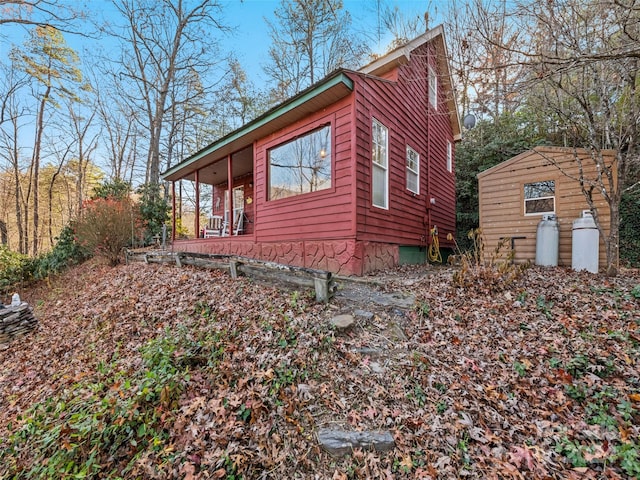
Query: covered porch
212	209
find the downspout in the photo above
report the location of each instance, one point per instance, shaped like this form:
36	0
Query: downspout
197	219
173	210
354	161
429	160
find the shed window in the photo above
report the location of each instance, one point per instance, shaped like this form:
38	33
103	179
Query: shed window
540	197
449	157
302	165
413	170
380	163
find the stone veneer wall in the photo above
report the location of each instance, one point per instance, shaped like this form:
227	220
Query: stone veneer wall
344	257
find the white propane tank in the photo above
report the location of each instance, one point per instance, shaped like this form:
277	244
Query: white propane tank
585	243
547	241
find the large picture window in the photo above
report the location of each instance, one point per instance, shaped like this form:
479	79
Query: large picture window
413	170
302	165
380	164
540	197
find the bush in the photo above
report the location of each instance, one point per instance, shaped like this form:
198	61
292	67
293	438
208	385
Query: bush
182	232
14	269
629	228
117	189
154	210
66	252
107	226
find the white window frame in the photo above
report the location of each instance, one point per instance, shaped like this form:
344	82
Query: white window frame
433	88
380	161
413	157
532	199
449	156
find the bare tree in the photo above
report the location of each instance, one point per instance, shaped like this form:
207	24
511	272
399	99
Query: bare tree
53	67
164	43
237	101
62	152
188	106
118	132
310	39
10	152
12	112
38	13
584	62
86	142
488	76
402	27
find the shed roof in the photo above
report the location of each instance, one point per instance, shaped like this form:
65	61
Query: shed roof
542	151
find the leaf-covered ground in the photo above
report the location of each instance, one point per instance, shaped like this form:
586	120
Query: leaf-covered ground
150	371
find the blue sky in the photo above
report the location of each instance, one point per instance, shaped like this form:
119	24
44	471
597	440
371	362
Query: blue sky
250	39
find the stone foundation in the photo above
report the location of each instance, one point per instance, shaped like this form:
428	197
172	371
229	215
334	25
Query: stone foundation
344	257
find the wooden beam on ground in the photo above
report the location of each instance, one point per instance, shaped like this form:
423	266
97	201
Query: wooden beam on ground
320	280
202	260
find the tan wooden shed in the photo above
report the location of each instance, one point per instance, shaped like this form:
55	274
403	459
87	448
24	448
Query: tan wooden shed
514	195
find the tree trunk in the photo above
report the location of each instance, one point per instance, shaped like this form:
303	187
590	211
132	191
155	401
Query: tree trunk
18	196
36	170
612	244
3	233
50	206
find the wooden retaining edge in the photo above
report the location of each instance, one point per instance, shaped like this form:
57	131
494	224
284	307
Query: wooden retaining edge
322	281
148	256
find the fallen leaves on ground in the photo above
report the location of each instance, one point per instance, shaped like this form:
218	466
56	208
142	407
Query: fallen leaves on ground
150	371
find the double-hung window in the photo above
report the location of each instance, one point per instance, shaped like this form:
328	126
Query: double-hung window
380	164
413	170
540	197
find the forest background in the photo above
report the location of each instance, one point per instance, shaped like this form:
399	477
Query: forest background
101	100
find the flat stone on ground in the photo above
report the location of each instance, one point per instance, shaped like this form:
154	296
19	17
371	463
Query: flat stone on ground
363	314
342	322
342	442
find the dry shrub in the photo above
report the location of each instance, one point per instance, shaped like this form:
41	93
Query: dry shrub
107	226
492	272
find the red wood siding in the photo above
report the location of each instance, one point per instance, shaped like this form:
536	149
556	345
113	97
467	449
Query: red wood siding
325	214
402	107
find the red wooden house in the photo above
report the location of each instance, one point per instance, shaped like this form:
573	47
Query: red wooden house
351	175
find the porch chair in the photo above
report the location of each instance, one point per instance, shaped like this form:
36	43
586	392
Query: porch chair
214	227
238	223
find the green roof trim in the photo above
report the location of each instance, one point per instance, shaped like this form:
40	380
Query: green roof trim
287	106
